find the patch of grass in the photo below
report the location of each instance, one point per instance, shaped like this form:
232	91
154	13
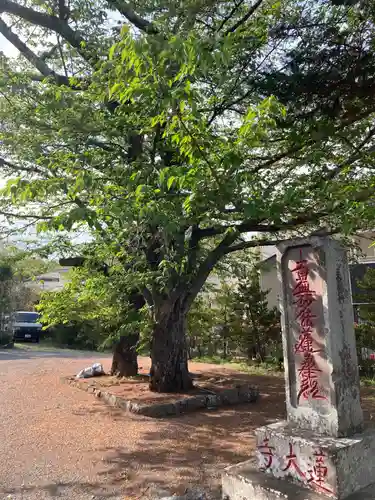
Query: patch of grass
368	382
265	368
214	360
47	346
43	345
50	344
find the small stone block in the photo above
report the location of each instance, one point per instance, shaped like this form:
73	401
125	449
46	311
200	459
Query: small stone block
182	406
247	394
122	403
170	409
229	397
155	411
245	482
212	401
111	399
196	402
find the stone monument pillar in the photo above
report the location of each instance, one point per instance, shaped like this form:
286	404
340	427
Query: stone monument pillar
322	450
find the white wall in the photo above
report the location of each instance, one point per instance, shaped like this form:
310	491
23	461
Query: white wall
269	281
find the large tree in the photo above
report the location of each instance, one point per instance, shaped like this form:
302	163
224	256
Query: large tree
172	129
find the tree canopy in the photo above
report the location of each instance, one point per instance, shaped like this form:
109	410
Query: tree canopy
170	130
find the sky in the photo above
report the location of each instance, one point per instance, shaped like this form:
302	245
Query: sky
7	47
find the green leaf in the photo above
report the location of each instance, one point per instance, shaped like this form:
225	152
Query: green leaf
171	181
112	51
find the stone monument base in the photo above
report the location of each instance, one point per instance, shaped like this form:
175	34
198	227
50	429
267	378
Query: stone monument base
290	461
334	467
245	482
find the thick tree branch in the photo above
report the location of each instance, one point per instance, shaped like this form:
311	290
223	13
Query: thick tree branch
61	80
230	15
35	60
52	23
63	10
255	226
352	159
281	156
250	244
49	53
148	296
140	23
243	245
335	172
207	266
243	19
19	168
300	220
26	216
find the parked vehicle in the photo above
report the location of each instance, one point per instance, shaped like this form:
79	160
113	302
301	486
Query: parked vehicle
25	326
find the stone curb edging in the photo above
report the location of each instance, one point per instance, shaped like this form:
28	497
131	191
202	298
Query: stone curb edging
226	397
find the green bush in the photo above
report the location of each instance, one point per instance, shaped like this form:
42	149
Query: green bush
367	368
6	339
78	335
365	338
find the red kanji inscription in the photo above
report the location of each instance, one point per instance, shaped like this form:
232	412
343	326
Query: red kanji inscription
305	342
301	269
309	373
292	462
267	453
318	474
304	297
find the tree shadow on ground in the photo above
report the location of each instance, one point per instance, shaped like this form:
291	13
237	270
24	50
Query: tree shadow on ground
177	453
193	449
62	490
173	455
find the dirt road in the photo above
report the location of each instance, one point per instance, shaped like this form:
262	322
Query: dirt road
58	442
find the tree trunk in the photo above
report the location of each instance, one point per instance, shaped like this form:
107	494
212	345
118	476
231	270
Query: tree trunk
225	349
199	348
210	347
251	352
169	357
124	361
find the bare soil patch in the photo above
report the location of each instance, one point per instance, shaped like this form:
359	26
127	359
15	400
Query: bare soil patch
136	388
132	393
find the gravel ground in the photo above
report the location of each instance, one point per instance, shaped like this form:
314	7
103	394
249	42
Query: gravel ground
59	442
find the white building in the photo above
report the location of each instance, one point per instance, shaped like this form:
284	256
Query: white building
52	281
